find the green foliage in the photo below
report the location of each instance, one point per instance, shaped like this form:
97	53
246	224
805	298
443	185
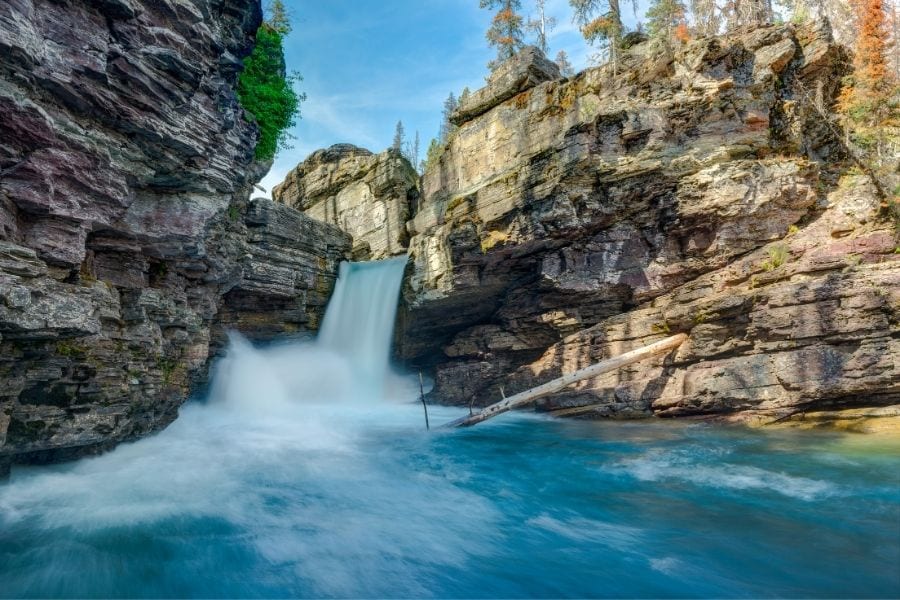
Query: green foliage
433	155
266	91
703	315
167	367
663	16
70	350
661	327
778	255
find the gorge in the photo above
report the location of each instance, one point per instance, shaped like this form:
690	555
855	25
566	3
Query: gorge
207	393
567	220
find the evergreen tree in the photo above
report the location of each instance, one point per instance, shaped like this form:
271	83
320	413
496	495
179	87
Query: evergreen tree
411	152
399	137
600	22
464	96
505	33
565	67
748	13
278	17
447	128
706	17
266	90
872	44
541	25
663	18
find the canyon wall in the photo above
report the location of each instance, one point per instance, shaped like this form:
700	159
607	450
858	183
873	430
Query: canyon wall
369	196
127	244
701	190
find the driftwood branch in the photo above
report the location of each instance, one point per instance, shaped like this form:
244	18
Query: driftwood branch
600	368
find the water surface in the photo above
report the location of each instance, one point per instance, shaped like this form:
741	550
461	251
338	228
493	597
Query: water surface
274	497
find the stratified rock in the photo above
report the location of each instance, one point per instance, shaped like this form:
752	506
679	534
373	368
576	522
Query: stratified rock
288	269
125	165
527	69
366	195
583	218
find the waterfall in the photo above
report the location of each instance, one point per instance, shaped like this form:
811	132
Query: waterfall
349	361
359	320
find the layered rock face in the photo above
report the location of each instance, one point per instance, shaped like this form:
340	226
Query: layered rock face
696	191
125	165
369	196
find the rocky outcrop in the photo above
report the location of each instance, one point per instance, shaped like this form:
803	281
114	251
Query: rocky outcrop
525	70
288	265
694	191
369	196
125	165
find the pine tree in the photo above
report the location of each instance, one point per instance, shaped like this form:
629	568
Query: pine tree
565	67
411	151
278	17
464	96
663	18
748	13
706	17
541	25
872	44
600	22
399	137
505	33
447	128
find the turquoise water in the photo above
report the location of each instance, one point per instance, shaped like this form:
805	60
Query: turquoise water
319	499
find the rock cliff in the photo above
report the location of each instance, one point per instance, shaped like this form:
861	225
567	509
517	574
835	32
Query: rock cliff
699	190
127	244
370	196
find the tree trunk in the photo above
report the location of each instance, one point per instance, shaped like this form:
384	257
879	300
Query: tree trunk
610	364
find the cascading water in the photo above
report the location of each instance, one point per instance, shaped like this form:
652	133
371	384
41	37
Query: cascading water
359	322
348	362
280	486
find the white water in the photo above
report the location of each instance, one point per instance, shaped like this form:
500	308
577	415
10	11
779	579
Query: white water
359	322
347	364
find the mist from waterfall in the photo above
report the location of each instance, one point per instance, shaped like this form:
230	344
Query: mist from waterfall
359	322
348	363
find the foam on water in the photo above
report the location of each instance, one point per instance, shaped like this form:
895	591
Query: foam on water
662	465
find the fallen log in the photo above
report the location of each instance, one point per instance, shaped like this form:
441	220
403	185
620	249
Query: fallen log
610	364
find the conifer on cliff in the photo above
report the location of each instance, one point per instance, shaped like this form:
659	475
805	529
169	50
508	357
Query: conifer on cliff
541	25
600	22
505	33
565	66
664	18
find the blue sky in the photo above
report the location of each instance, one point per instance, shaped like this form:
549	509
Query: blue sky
367	64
